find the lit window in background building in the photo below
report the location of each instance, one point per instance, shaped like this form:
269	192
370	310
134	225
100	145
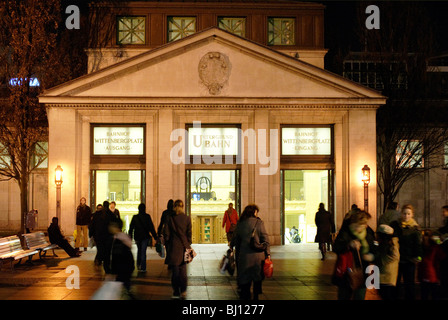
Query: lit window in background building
180	27
281	31
131	30
237	26
409	154
34	82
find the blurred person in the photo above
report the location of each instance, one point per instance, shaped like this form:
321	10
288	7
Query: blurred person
410	251
387	259
444	228
443	231
325	225
177	237
96	233
357	238
429	268
141	229
229	221
391	214
249	261
122	260
83	219
56	237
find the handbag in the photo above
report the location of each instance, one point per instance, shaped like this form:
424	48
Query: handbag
254	244
160	248
268	268
355	275
189	253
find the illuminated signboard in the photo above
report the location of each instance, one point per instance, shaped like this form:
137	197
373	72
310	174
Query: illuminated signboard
34	82
306	141
118	140
213	141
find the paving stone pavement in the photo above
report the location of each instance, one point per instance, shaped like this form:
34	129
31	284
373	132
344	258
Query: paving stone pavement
299	274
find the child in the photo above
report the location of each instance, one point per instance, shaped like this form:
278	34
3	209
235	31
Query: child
388	258
429	268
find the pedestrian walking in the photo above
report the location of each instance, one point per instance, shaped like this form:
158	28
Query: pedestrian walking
168	212
410	251
229	221
325	226
387	259
122	261
249	260
98	232
390	215
355	246
177	237
443	231
429	268
141	229
114	210
83	219
56	237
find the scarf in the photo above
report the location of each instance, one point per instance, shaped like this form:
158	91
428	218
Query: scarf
409	224
361	236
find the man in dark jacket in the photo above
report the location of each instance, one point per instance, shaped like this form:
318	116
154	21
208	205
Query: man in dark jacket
99	230
56	237
141	229
83	219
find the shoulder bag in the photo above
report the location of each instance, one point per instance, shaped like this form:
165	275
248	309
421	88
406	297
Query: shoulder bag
356	275
254	244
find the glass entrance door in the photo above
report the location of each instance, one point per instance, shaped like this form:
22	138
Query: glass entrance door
209	193
302	191
125	187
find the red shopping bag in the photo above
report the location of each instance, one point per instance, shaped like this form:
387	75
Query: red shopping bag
268	268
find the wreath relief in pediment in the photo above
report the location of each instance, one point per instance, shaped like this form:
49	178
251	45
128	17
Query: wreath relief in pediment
214	71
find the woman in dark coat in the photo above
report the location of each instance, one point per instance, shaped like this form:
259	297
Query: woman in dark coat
141	229
177	237
325	225
249	262
355	236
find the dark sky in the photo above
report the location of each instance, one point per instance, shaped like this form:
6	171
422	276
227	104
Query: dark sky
341	21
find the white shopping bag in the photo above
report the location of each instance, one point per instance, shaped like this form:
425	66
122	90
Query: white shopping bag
110	290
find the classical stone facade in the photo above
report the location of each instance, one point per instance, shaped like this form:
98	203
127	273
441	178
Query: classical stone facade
248	86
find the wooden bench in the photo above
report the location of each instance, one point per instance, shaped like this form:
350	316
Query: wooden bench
11	250
38	241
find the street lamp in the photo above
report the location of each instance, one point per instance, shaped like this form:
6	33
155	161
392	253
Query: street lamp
58	182
366	180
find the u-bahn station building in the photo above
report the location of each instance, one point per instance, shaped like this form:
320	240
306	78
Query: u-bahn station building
212	103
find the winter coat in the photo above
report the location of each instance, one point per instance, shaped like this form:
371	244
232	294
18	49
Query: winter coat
99	227
54	234
429	267
249	262
122	260
83	215
141	227
163	220
387	260
444	229
325	226
410	242
228	220
342	244
174	241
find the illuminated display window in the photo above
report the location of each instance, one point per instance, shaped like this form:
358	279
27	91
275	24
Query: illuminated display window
236	26
281	31
180	27
131	30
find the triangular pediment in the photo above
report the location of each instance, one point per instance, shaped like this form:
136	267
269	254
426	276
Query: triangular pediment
211	66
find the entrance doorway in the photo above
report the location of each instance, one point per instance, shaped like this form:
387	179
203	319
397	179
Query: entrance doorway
209	193
125	187
302	191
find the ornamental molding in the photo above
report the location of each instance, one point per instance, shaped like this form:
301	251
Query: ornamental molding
214	71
